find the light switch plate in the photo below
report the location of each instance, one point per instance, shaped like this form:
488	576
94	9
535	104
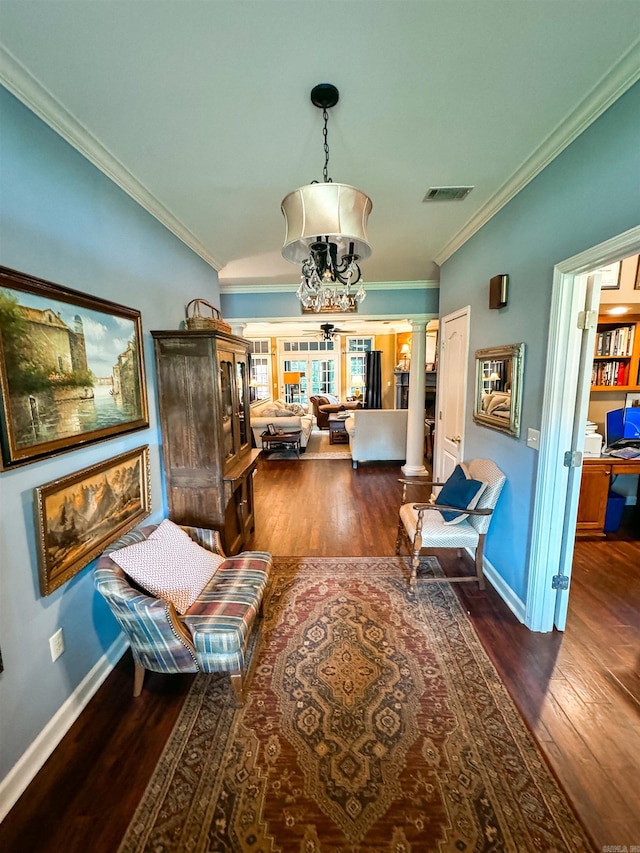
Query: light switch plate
533	438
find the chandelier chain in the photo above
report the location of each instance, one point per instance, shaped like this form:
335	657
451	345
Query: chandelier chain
325	171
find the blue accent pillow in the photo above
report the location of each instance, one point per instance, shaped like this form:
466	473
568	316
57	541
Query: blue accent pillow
459	491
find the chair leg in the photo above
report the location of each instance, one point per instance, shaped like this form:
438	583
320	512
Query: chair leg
138	678
415	565
479	566
236	683
416	547
399	536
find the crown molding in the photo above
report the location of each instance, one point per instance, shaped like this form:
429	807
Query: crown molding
21	83
257	287
307	320
612	86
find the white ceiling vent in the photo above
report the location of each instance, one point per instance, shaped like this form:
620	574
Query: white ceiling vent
447	193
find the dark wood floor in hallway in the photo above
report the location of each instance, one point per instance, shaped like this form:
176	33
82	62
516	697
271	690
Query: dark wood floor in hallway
578	691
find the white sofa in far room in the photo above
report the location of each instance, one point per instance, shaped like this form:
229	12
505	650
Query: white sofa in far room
284	416
377	435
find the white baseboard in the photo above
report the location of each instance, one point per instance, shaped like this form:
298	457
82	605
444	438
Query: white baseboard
515	605
23	771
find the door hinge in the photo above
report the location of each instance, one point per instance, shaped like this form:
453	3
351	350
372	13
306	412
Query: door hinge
572	459
587	320
560	582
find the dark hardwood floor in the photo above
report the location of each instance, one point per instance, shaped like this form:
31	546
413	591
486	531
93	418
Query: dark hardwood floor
578	691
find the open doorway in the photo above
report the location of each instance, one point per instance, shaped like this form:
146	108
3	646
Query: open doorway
609	483
561	445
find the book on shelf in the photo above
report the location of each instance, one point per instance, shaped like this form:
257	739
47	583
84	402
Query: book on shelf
610	373
617	341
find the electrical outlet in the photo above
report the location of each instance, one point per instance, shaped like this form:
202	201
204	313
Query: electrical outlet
56	644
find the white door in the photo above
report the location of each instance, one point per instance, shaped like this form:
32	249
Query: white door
452	391
303	375
577	444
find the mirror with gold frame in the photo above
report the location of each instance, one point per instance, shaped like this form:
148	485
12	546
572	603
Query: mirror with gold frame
498	399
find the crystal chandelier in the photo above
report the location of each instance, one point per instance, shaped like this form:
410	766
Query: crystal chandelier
326	232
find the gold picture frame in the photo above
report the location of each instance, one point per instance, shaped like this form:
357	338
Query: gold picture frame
71	369
78	515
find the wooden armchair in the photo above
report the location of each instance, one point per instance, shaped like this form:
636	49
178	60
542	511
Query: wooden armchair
423	526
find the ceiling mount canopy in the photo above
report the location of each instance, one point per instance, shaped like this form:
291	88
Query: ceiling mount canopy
326	231
325	95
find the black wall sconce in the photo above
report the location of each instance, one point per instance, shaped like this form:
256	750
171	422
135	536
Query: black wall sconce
498	286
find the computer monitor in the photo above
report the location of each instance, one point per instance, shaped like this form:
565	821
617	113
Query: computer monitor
613	426
622	423
632	422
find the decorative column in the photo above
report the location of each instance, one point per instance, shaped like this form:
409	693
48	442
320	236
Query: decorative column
237	328
414	466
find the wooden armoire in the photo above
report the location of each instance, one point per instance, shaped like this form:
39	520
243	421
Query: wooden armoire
203	399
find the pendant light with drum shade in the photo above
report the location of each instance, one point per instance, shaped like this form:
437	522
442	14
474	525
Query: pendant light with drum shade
326	232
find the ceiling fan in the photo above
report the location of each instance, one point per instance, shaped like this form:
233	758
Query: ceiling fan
329	331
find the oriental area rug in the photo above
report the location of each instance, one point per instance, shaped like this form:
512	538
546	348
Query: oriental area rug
373	722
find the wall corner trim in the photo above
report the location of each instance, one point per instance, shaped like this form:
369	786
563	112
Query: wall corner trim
621	77
25	769
27	89
515	605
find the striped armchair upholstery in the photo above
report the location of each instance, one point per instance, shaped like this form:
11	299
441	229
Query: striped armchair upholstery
212	635
422	526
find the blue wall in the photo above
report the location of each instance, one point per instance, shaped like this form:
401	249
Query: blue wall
62	220
587	195
391	302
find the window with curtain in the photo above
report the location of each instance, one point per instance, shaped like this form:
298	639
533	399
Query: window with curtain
260	377
355	365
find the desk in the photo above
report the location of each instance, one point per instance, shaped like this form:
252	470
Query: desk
594	491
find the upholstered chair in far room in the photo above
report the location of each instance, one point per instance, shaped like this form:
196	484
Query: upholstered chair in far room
459	517
326	404
202	619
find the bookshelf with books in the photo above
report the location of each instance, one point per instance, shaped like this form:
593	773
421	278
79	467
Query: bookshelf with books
616	361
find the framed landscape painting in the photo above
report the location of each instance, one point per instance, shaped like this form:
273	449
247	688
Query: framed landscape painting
79	515
71	369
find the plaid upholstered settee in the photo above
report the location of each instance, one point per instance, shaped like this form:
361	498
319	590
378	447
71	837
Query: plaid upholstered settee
213	632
